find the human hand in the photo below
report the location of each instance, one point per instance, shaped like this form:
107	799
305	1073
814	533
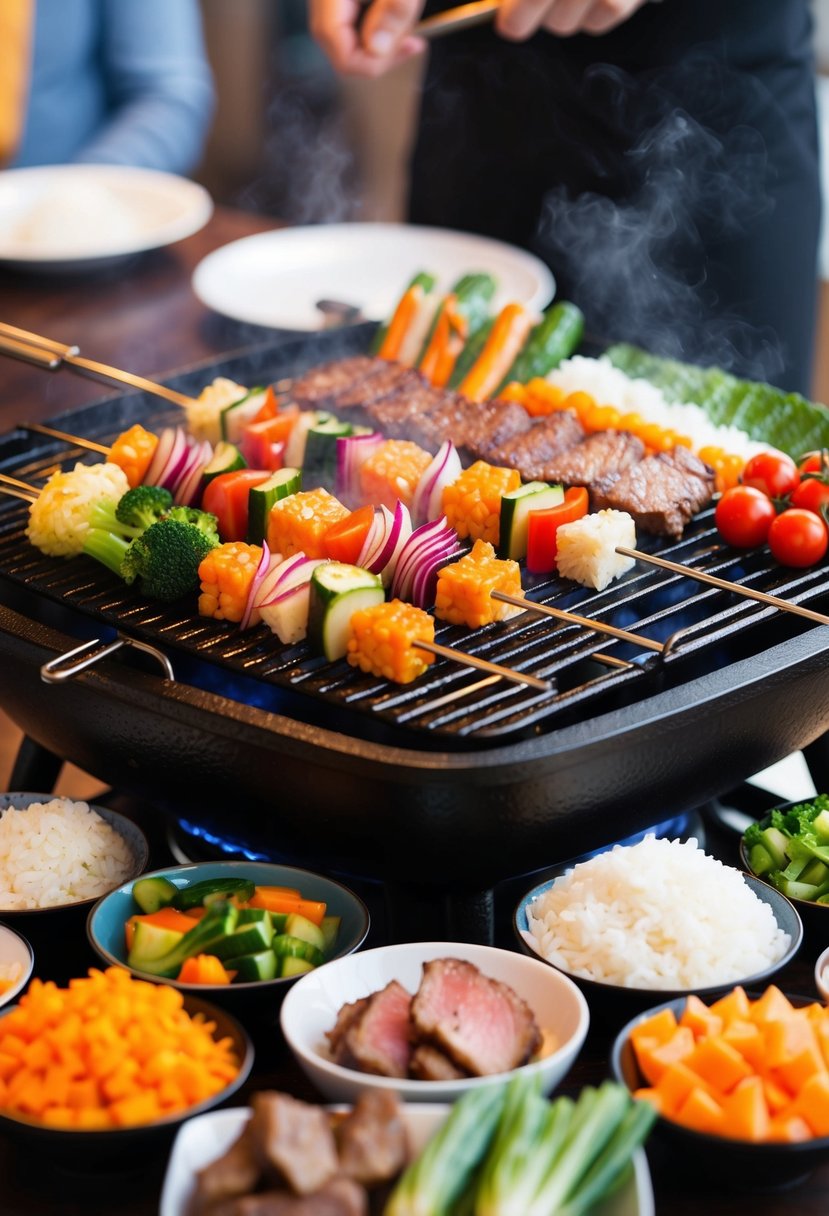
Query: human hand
519	19
382	41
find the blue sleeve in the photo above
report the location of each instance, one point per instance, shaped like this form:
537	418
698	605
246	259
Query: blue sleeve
159	86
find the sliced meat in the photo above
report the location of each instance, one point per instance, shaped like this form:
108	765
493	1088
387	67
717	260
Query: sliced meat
531	451
371	1141
480	1023
345	1018
295	1139
400	415
491	424
235	1173
379	1041
339	1197
429	1064
662	492
386	380
602	454
318	387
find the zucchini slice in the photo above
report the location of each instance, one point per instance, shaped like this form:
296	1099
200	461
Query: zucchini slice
226	459
515	510
337	591
234	418
262	497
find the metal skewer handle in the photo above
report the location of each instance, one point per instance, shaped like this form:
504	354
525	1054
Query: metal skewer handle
495	669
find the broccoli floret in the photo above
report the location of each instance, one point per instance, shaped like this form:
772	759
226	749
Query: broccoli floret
106	547
753	835
203	520
165	559
142	506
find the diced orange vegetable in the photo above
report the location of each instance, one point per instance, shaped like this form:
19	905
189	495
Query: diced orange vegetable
464	588
165	918
283	899
541	398
700	1018
813	1103
514	391
133	451
381	641
392	472
652	1095
507	336
734	1004
789	1129
204	969
702	1113
660	1027
299	522
771	1006
472	503
718	1063
403	318
345	539
654	1060
786	1038
747	1038
675	1085
226	574
746	1112
795	1072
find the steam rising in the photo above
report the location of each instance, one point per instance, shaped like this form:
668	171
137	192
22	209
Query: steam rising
639	261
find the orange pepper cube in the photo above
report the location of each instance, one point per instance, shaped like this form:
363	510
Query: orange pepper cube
718	1063
701	1020
702	1113
654	1060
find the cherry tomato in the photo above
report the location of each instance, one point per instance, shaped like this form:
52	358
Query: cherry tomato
772	472
744	516
815	462
812	494
798	538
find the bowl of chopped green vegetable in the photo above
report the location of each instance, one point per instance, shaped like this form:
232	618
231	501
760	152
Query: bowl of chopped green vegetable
238	932
789	849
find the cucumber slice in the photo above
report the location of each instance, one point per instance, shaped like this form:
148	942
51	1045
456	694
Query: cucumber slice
815	872
234	418
262	497
330	927
798	890
760	861
295	444
475	343
821	825
300	926
336	592
153	893
152	942
252	916
285	946
290	966
226	459
555	338
319	465
252	967
515	511
210	889
250	939
776	843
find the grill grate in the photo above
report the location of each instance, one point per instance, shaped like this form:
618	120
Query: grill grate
455	706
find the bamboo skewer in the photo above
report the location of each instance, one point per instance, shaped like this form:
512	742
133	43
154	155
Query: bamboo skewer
17	488
51	355
495	669
465	16
573	618
78	440
762	597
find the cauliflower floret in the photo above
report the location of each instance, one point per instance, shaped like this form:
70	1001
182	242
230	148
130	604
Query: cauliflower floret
59	519
203	416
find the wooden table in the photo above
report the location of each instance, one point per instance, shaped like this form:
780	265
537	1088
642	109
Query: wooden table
144	317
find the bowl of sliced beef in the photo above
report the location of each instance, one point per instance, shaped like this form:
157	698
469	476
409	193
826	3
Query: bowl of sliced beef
430	1020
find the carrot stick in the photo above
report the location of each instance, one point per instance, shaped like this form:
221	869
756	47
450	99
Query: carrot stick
404	314
512	325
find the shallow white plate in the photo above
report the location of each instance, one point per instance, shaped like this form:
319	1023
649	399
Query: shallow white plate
55	217
15	952
205	1137
275	278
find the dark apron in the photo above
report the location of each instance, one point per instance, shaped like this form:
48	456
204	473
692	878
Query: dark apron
666	171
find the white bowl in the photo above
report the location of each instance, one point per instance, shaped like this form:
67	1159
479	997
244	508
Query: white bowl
822	975
312	1005
15	949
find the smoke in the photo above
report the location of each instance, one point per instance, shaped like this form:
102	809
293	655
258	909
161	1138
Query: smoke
645	262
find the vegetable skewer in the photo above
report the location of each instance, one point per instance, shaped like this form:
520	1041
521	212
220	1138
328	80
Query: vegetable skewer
39	429
574	618
18	489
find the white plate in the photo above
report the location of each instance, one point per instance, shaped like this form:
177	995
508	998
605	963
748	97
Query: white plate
69	217
15	951
275	278
205	1137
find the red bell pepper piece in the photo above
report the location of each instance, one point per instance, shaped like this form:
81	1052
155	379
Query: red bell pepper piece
543	525
226	497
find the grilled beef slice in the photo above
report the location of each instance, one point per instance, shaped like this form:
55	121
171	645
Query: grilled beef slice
346	1016
378	1040
429	1064
480	1023
339	1197
531	450
233	1174
398	415
661	492
294	1139
492	423
318	387
371	1141
602	454
386	380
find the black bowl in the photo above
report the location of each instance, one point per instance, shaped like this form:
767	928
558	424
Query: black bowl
736	1164
815	917
120	1147
611	1004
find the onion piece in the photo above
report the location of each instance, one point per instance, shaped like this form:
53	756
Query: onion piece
166	441
261	570
188	487
386	537
288	618
428	548
295	574
277	569
444	469
352	453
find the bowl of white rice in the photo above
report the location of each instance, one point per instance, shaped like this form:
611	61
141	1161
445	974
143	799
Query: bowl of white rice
657	918
57	854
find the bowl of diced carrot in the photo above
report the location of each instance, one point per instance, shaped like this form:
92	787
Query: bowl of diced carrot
112	1065
741	1084
237	932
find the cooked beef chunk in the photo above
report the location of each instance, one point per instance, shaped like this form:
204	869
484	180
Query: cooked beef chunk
492	423
377	1041
429	1064
405	414
480	1023
387	380
531	450
347	1015
662	492
295	1139
235	1173
318	387
371	1141
602	454
339	1197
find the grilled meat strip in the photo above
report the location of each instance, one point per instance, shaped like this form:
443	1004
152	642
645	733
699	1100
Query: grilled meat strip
377	1040
603	454
480	1023
371	1141
429	1064
318	388
662	492
530	451
339	1197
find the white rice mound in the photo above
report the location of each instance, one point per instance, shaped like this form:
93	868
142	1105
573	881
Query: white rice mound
660	914
58	852
611	386
586	548
58	519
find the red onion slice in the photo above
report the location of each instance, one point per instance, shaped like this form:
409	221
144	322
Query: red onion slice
444	469
161	456
261	570
278	567
352	453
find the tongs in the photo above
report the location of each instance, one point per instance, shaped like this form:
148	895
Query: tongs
51	355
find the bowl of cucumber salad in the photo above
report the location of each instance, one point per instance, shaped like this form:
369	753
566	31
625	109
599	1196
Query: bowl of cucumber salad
237	932
789	849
